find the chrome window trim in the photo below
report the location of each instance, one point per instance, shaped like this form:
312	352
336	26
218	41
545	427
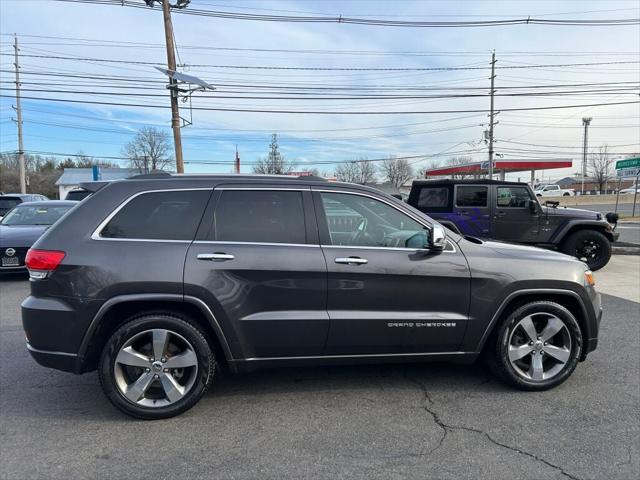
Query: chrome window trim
96	233
264	244
398	249
410	215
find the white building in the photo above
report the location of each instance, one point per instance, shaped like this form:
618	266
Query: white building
72	177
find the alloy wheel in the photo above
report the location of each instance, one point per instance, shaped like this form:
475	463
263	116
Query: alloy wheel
155	368
539	346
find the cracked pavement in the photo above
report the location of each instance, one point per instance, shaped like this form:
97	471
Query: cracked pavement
393	421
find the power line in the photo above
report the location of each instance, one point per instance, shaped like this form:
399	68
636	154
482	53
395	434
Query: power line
325	112
340	19
358	69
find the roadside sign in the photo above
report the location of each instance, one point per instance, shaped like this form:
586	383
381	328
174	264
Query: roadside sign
629	167
628	172
628	163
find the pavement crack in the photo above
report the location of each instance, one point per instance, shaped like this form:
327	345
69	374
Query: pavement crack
428	405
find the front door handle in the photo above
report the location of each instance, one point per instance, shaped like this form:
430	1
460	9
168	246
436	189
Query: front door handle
352	260
215	256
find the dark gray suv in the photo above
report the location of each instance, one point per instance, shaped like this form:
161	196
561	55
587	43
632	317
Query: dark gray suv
158	281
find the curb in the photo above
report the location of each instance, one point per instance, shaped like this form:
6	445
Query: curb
625	249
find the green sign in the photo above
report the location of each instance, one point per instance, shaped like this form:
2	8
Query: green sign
628	163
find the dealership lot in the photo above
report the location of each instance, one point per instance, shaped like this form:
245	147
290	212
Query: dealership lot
399	421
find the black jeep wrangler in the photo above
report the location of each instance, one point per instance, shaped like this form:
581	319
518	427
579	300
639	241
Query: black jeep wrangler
509	211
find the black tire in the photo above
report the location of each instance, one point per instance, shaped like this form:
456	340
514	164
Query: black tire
180	328
497	352
576	243
566	194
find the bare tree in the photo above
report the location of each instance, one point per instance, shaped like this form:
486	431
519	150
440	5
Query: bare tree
599	166
455	161
149	150
356	171
347	172
274	163
397	171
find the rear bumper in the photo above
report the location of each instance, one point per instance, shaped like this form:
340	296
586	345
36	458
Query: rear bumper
54	329
67	362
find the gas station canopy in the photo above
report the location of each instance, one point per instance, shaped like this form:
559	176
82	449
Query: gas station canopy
500	166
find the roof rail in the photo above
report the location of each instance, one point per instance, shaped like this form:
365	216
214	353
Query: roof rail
150	175
313	178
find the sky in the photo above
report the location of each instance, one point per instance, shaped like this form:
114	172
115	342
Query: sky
219	50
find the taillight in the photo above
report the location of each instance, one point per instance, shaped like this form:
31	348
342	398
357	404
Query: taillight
41	262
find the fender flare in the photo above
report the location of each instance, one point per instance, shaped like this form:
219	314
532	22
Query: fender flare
533	291
177	298
562	233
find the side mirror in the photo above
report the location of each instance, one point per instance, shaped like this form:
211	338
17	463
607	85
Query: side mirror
534	207
437	238
419	241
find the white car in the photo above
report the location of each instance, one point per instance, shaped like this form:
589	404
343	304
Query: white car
553	191
631	190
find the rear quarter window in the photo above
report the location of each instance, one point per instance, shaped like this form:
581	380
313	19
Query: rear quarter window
171	215
434	199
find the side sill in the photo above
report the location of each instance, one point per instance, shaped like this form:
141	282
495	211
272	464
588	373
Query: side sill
249	364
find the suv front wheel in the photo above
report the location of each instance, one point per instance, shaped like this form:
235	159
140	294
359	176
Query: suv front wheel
590	246
537	346
156	366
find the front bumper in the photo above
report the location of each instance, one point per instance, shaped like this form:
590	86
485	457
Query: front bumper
591	343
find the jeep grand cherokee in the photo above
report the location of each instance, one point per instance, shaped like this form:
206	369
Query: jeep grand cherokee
156	282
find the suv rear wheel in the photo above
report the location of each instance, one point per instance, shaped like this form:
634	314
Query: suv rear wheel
156	366
537	346
590	246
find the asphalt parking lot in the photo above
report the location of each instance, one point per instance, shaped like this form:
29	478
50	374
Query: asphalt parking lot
401	421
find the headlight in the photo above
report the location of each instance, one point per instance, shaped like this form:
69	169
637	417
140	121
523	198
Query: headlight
589	280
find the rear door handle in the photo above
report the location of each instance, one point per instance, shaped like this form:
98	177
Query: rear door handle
215	256
352	260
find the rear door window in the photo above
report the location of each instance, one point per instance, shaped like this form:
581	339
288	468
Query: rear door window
471	196
169	215
259	216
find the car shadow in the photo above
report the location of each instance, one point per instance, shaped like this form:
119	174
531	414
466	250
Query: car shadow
72	398
438	377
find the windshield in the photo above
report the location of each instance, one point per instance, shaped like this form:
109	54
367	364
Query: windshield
35	215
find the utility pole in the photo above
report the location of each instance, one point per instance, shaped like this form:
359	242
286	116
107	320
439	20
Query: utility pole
237	164
173	87
586	121
23	177
491	114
